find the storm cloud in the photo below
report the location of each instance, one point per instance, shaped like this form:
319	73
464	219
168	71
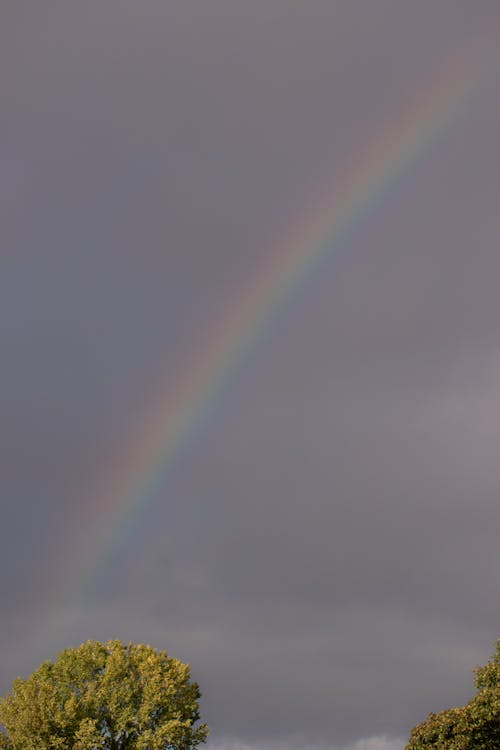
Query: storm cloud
326	555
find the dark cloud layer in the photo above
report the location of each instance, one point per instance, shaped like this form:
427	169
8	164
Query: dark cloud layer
326	557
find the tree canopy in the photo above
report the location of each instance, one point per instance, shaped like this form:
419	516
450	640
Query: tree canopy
475	726
104	696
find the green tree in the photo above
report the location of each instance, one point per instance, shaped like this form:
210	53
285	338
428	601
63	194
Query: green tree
104	696
475	726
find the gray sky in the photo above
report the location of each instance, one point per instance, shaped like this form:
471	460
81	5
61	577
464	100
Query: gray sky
325	556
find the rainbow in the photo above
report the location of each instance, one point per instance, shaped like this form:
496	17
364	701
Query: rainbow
128	487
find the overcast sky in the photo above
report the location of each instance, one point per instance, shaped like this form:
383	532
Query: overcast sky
326	554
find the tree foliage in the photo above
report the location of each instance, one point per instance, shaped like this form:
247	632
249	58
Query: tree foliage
104	696
475	726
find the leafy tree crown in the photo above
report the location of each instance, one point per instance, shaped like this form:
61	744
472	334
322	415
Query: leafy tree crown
104	696
475	726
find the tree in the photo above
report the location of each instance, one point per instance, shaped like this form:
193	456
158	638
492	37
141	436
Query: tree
104	696
475	726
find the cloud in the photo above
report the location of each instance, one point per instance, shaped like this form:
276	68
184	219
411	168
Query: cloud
365	743
377	743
